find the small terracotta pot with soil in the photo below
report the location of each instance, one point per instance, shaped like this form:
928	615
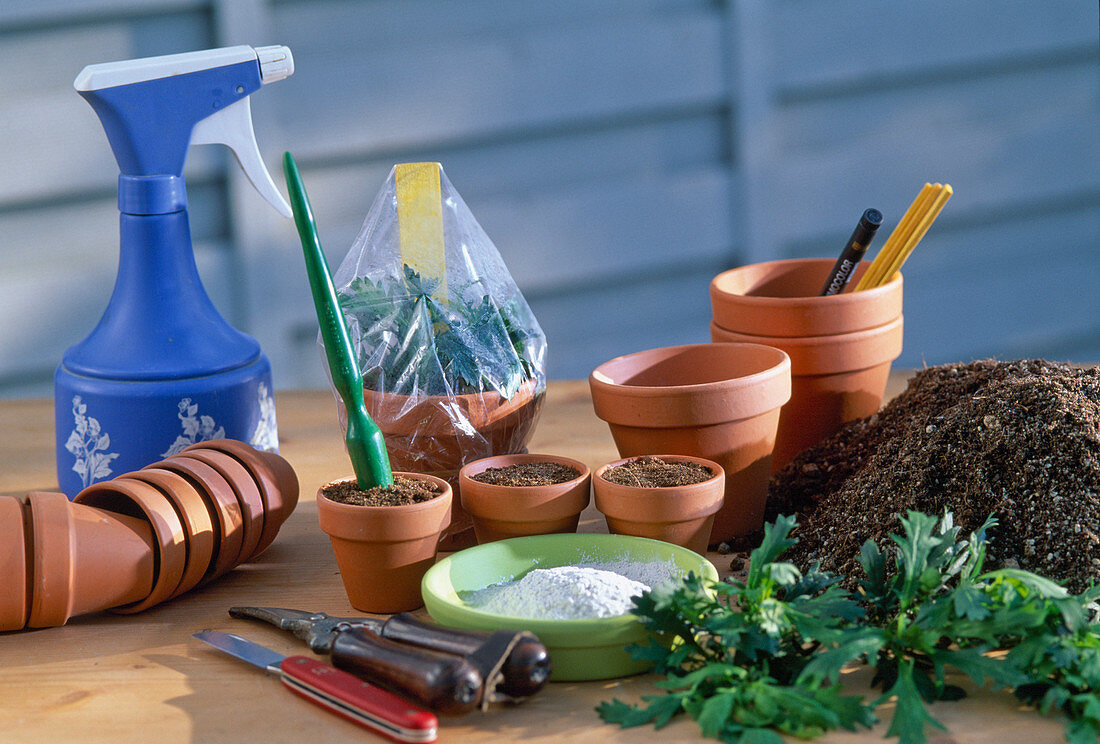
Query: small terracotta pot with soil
385	539
841	346
668	497
716	401
422	436
518	495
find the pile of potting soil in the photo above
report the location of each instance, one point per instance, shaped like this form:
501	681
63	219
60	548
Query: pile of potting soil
1019	440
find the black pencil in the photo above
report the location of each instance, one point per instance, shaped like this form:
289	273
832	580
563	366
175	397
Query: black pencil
853	252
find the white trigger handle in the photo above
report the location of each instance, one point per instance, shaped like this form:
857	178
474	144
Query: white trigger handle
232	127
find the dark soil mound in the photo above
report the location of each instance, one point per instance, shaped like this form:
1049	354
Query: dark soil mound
1019	440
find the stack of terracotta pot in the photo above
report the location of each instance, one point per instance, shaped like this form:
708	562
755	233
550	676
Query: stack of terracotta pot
142	538
720	402
841	346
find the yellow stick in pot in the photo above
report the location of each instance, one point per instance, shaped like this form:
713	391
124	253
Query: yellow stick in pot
918	232
420	221
889	249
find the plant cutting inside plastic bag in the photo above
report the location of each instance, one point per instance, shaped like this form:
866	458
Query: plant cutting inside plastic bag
453	360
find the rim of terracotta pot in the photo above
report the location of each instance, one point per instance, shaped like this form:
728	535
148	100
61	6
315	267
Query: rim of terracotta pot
287	480
51	526
385	523
227	510
278	485
824	355
723	383
433	415
135	498
660	504
742	300
494	501
198	521
15	565
247	493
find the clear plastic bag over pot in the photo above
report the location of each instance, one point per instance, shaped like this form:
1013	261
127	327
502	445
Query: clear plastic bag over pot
453	360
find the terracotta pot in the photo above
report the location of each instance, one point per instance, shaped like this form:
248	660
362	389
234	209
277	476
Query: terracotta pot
277	481
15	565
841	346
716	401
198	521
85	559
421	437
683	515
500	512
384	551
781	298
229	524
246	490
834	379
136	499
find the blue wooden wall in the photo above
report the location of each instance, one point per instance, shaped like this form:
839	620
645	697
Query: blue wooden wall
619	153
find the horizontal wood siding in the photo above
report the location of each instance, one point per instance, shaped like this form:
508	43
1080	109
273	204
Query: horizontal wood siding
618	152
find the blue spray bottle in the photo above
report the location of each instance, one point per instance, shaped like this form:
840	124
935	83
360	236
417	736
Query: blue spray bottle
163	369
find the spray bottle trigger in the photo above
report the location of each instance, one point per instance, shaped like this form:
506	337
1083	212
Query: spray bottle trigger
232	127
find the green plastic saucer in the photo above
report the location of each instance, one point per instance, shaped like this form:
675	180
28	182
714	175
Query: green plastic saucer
579	649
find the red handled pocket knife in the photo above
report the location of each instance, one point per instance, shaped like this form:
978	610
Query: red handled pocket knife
340	692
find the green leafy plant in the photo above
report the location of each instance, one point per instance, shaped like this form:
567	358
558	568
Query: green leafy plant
739	650
747	660
411	340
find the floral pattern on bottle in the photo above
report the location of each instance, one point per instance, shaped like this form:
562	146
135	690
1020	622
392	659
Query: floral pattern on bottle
89	444
195	428
266	435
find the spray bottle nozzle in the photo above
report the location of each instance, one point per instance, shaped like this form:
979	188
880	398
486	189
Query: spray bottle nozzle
153	109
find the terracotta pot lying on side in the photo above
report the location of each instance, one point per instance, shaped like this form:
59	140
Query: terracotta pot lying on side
841	346
85	559
384	551
500	512
716	401
140	539
683	515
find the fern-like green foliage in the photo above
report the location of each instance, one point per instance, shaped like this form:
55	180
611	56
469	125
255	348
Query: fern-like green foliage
414	342
748	660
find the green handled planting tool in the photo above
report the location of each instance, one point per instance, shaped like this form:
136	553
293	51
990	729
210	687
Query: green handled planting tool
366	447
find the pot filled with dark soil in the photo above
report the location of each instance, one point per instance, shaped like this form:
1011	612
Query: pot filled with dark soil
385	538
670	497
1019	440
524	494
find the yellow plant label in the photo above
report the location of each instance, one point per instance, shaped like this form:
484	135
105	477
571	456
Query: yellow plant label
420	221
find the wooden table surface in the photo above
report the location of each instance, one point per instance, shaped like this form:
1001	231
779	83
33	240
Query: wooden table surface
142	678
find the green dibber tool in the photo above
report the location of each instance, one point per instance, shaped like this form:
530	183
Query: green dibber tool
366	447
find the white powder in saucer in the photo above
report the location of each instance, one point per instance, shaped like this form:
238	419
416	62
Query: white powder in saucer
584	591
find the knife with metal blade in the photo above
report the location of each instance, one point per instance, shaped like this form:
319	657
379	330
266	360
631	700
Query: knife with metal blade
340	692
